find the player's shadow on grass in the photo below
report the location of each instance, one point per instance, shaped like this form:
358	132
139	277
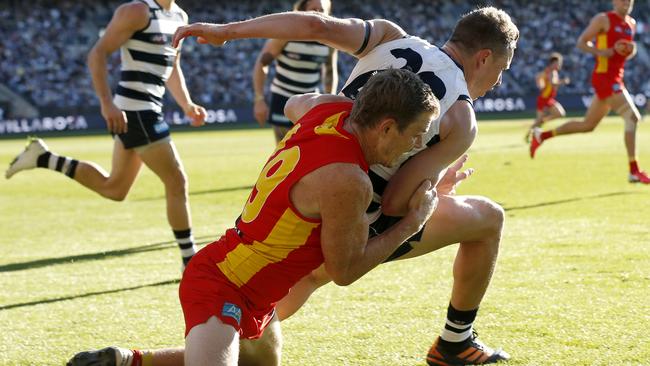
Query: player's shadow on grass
575	199
89	294
95	256
198	193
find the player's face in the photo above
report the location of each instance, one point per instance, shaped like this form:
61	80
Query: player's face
490	72
399	143
321	6
623	6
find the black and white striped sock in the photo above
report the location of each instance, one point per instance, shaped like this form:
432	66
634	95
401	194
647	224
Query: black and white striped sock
458	327
63	164
185	241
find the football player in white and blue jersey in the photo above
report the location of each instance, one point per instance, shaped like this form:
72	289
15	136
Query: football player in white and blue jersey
469	64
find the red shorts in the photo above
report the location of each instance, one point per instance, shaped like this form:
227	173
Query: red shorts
205	292
543	103
606	86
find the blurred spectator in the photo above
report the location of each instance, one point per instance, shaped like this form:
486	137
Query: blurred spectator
44	44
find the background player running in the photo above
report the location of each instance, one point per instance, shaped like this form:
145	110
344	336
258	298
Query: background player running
548	81
614	33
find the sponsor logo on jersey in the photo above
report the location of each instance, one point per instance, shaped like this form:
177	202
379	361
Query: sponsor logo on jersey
231	311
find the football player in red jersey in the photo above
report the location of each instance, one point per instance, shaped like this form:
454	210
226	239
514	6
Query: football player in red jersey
614	33
308	208
548	81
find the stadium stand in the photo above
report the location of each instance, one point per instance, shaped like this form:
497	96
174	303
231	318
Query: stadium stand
44	45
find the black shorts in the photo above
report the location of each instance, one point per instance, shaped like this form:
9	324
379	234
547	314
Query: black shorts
144	127
384	222
276	112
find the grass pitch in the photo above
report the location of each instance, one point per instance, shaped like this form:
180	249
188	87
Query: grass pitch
572	286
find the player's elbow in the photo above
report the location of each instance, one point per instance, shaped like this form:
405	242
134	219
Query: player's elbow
341	275
390	207
317	26
343	280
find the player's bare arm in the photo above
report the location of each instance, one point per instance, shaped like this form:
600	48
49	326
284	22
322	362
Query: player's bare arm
458	130
178	89
127	19
298	105
345	193
598	24
540	80
330	72
272	48
344	34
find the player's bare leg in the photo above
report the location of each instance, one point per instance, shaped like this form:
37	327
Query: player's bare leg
116	185
264	351
117	356
623	105
548	114
164	161
212	343
595	113
476	223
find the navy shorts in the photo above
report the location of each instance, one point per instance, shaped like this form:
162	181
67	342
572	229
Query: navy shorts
276	112
384	222
144	128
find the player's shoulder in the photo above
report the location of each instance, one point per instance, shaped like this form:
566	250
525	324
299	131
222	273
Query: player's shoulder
133	11
344	179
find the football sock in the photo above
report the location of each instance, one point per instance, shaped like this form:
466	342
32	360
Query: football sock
547	134
140	358
634	167
458	329
185	242
61	164
125	357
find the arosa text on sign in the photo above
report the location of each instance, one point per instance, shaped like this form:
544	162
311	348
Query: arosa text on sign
214	116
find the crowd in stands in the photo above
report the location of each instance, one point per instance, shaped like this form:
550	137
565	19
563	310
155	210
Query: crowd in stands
45	42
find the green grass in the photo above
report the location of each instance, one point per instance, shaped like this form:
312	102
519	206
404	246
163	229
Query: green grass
572	285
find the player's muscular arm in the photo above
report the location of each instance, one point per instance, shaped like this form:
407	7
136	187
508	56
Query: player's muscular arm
540	81
458	130
330	72
598	24
272	48
343	34
298	105
127	19
345	192
178	89
269	52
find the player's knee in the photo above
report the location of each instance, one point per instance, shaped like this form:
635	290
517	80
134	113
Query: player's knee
492	215
115	193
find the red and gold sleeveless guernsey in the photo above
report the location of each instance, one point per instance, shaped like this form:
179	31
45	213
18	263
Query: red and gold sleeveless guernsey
546	97
240	277
607	77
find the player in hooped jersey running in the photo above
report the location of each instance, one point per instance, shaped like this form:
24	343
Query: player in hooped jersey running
614	33
142	31
465	68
